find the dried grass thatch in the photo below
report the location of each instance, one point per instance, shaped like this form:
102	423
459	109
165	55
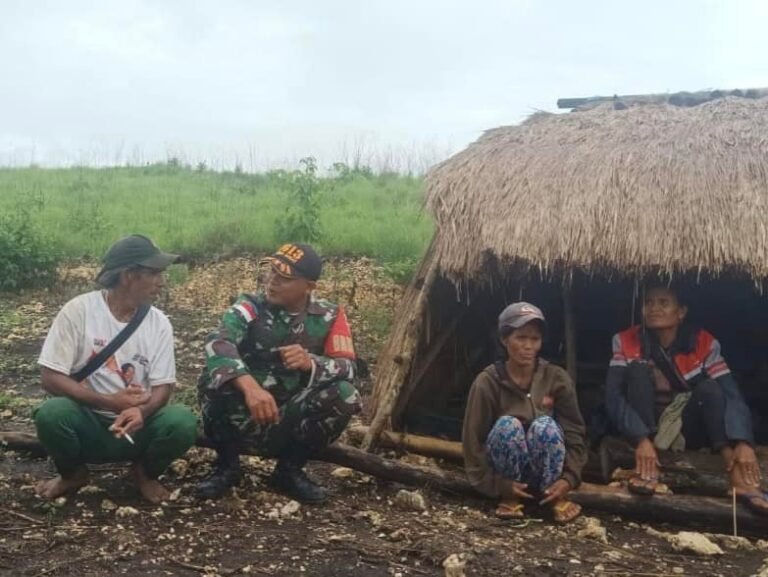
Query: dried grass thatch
651	188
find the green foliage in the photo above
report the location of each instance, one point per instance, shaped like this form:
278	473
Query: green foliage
204	214
400	271
177	274
26	258
344	173
302	220
15	403
378	321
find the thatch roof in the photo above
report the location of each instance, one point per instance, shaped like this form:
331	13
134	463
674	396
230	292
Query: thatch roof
649	188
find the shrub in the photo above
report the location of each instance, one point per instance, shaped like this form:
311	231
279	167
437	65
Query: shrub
302	221
26	258
401	271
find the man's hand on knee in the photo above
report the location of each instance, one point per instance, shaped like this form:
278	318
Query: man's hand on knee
260	402
262	406
646	460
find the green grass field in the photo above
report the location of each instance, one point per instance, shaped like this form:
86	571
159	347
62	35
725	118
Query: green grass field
203	214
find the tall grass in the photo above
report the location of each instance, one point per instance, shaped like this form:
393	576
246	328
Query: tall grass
200	213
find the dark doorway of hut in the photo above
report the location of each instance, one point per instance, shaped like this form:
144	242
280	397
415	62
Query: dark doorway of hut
459	340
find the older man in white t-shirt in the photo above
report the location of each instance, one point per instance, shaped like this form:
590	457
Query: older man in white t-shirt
120	412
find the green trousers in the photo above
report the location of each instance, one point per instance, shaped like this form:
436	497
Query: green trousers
73	436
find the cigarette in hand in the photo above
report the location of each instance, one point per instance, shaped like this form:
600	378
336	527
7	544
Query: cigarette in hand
130	439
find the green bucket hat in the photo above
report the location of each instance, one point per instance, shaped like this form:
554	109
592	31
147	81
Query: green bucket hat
133	250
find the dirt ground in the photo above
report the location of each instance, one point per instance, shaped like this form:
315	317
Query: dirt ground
105	529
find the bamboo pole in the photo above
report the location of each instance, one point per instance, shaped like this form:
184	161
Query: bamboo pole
419	444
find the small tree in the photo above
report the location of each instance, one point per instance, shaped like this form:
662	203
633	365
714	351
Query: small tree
302	222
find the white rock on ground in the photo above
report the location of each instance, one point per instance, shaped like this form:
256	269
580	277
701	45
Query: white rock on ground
690	541
290	508
342	473
454	566
180	467
763	571
410	500
592	529
126	512
732	542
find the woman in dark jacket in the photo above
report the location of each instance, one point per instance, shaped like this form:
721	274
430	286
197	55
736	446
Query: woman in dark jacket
668	386
523	431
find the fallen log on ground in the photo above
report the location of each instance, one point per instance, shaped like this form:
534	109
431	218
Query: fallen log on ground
337	453
392	470
26	442
691	472
685	510
706	513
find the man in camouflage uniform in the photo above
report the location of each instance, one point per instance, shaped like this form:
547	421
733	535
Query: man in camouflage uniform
278	378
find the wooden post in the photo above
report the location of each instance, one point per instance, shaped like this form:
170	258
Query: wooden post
401	359
570	333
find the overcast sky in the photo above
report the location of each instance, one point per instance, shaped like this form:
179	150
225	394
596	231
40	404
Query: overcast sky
399	81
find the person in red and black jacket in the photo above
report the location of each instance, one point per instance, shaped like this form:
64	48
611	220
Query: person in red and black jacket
653	364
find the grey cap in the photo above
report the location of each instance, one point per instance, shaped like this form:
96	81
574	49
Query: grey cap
133	250
517	315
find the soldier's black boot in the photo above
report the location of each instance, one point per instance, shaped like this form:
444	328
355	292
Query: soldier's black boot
226	473
290	479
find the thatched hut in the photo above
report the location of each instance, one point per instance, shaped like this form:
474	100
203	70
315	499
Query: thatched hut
570	212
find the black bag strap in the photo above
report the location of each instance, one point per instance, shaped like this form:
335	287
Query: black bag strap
113	345
669	369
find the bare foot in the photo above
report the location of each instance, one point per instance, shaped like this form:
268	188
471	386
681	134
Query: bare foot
150	489
54	488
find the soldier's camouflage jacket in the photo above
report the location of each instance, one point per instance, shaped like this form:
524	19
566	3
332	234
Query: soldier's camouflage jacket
251	331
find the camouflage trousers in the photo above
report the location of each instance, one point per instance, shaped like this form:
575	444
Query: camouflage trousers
313	419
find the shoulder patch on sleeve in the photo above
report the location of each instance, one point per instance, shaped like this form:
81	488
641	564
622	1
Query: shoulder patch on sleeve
245	309
339	343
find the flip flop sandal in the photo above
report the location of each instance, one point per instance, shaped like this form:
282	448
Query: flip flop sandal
562	516
640	486
510	511
749	500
